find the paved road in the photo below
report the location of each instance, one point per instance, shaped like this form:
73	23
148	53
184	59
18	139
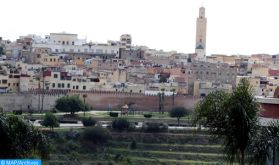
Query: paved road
79	124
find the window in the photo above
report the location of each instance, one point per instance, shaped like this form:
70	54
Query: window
84	87
63	42
73	87
73	43
68	85
56	50
53	85
62	85
59	85
55	76
4	81
77	87
67	42
50	59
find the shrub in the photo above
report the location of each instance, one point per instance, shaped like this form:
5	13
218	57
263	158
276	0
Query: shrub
72	134
54	110
113	114
133	145
17	112
120	124
94	136
89	121
147	115
155	127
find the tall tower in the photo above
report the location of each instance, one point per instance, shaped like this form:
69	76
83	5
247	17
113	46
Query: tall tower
201	34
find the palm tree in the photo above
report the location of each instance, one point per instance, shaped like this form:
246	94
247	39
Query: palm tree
161	96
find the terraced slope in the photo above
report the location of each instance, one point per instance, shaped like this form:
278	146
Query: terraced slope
150	148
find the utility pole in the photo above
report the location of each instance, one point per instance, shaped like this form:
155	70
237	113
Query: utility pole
173	90
39	94
84	96
43	94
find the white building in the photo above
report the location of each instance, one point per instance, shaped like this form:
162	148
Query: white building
69	43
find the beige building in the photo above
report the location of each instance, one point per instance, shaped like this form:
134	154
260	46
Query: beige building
259	70
4	83
27	83
9	83
63	38
48	60
203	88
220	58
255	82
13	82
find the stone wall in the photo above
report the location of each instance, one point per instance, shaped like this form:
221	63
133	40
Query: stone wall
97	100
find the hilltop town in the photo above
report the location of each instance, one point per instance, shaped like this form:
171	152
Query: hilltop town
69	100
64	62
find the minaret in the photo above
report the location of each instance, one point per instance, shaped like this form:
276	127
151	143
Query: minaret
201	35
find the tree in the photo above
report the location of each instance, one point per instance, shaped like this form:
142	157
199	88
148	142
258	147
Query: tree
2	50
21	140
50	121
231	116
70	104
264	144
178	112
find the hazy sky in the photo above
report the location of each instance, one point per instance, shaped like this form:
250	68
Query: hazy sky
233	26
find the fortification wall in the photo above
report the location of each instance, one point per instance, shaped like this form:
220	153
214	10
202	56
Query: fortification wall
96	99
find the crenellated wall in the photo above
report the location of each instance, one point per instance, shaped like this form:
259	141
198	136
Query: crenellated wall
96	99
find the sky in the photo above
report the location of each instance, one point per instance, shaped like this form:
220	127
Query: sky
233	26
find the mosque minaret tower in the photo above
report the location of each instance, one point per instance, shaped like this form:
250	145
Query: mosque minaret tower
201	35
